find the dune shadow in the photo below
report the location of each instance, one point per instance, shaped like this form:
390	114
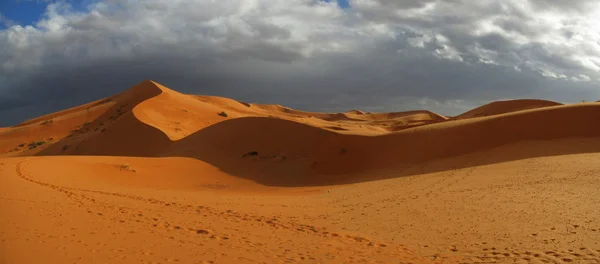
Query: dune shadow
291	154
296	154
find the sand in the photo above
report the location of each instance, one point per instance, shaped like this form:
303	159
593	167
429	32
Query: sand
502	107
155	176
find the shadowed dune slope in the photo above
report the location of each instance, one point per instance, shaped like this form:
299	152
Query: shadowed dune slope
428	143
305	154
502	107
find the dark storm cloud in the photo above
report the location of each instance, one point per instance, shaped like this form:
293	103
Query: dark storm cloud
379	55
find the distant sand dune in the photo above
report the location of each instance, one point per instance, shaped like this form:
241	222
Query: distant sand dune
340	117
503	107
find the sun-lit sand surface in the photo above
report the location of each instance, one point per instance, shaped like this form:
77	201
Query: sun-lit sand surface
155	176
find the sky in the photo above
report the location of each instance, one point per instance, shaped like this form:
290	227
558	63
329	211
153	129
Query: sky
447	56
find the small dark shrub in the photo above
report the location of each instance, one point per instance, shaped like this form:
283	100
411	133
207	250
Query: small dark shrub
48	122
223	114
126	167
250	154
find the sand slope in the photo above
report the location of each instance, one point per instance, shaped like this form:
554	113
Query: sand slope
311	153
502	107
169	173
15	140
86	219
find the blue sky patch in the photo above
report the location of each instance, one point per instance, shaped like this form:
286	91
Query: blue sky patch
22	12
28	12
341	3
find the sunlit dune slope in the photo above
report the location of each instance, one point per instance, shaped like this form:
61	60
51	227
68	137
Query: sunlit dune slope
382	122
410	116
282	110
502	107
34	135
138	172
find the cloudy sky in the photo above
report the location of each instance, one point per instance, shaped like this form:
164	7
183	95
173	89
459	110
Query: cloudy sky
375	55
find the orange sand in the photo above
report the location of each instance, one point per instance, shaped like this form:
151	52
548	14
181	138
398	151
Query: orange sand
502	107
155	176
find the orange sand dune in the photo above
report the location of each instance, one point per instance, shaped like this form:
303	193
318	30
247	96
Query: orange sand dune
143	122
502	107
355	112
117	131
48	129
286	110
311	152
67	112
154	175
381	122
340	117
420	115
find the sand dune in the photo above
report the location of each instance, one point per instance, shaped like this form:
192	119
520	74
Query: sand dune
502	107
315	152
144	121
355	112
169	173
18	140
340	117
421	115
286	110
